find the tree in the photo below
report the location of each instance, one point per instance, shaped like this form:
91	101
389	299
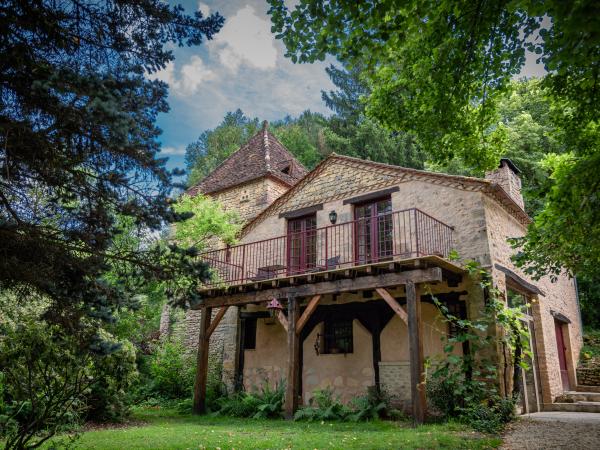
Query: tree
438	69
525	112
78	147
215	146
351	133
303	137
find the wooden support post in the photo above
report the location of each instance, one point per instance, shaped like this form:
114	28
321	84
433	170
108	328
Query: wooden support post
214	323
384	294
310	309
293	375
415	339
202	362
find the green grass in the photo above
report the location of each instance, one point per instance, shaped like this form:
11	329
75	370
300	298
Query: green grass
165	429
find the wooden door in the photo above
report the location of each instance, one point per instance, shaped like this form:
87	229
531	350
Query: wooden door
302	244
562	356
373	231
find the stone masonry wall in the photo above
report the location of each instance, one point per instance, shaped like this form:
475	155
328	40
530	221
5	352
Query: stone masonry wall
462	209
249	199
559	296
588	376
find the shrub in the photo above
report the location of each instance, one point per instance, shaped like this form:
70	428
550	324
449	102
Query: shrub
489	417
373	405
265	403
45	378
324	406
109	398
172	371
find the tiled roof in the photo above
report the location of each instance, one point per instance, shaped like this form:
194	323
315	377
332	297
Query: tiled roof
262	156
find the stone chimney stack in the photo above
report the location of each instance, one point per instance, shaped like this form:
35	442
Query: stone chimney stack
507	176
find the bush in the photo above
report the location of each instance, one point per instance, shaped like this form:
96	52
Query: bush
467	401
324	406
489	417
44	381
374	405
172	371
109	398
266	403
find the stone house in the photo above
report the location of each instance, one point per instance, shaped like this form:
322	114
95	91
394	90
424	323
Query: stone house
331	283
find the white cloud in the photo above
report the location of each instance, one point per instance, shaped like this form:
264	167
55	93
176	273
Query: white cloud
172	151
245	38
204	9
188	79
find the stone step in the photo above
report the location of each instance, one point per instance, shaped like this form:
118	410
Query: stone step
579	396
588	407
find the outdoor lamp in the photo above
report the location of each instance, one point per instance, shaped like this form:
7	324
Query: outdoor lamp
333	217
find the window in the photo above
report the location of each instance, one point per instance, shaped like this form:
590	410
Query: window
516	299
286	170
337	336
457	310
250	333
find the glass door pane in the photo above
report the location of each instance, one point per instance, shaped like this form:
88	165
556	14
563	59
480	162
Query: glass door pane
373	231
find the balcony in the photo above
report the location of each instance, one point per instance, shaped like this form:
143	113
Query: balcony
393	236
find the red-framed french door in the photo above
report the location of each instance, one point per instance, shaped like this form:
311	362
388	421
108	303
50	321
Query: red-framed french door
374	231
562	355
302	244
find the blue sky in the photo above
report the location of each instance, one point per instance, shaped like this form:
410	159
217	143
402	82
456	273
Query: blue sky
242	67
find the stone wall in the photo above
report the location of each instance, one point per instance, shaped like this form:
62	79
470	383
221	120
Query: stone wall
589	375
249	199
462	209
509	181
395	380
559	296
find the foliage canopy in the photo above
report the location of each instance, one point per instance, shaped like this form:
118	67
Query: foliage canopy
78	146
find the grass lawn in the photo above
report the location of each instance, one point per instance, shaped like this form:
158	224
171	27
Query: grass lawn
165	429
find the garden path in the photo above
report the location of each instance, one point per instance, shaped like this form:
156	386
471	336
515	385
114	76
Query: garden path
554	430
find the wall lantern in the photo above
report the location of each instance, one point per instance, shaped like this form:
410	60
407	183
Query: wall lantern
333	217
273	306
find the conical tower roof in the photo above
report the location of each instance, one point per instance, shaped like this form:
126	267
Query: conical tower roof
263	155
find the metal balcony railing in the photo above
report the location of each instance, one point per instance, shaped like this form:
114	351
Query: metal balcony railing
396	235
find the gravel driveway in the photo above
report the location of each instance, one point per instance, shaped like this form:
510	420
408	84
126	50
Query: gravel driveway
554	430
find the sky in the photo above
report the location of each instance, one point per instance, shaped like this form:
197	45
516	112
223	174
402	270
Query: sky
242	67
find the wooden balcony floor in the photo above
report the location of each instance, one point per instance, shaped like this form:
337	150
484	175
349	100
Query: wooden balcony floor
391	266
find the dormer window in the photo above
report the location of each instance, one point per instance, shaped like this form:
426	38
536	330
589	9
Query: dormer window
286	170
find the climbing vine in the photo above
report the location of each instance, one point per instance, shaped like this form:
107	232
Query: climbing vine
465	385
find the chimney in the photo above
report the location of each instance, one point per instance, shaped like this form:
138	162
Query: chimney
507	176
265	128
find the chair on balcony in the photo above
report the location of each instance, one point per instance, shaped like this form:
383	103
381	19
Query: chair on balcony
266	273
328	264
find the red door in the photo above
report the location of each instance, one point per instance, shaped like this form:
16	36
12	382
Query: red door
374	233
562	356
302	244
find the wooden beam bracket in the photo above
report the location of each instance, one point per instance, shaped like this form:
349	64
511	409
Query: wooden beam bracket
214	323
310	309
384	294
